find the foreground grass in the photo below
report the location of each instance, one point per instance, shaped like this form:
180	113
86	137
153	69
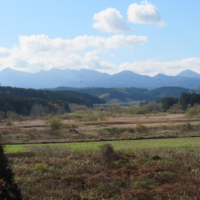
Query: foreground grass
118	145
133	174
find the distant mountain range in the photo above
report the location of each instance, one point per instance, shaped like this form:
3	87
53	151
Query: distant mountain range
90	78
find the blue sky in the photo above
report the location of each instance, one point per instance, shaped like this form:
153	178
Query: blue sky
146	37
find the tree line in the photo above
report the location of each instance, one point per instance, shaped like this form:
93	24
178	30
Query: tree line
23	105
67	96
186	100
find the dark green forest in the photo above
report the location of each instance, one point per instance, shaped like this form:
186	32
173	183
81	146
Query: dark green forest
167	102
84	96
132	94
68	96
22	100
23	105
189	99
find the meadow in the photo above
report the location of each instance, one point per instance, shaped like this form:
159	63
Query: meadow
112	156
117	145
132	173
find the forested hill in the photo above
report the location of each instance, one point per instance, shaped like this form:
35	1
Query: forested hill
100	91
89	98
70	97
132	94
24	105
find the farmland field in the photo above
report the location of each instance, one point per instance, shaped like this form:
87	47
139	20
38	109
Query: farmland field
142	157
118	145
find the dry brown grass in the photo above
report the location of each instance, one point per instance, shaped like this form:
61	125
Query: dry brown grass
73	133
108	174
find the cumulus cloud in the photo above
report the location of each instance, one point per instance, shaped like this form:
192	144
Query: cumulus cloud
152	68
145	13
43	44
39	52
4	52
110	20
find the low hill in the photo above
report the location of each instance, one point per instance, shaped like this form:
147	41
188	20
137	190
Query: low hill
132	94
23	100
24	105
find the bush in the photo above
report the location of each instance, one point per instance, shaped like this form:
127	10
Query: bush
111	131
55	124
142	184
108	154
186	127
108	190
165	177
8	189
40	167
141	128
193	112
141	111
69	126
8	122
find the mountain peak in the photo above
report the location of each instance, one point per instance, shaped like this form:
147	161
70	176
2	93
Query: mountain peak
189	73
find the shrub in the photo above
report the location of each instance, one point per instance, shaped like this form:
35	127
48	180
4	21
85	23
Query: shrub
40	167
8	189
8	122
108	153
142	184
186	127
193	111
156	157
108	190
55	124
165	177
111	131
69	126
168	175
141	128
141	111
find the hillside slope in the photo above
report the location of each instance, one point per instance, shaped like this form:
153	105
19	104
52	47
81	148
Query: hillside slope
132	94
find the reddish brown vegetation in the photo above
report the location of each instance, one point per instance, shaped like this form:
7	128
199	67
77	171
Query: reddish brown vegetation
108	174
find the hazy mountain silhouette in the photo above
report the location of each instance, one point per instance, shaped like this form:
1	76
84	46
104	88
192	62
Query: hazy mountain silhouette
71	78
189	73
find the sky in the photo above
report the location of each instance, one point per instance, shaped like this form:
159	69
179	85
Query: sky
146	37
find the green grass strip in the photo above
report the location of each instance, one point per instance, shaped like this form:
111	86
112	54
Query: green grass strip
118	145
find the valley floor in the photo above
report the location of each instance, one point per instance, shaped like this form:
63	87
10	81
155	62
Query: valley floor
143	157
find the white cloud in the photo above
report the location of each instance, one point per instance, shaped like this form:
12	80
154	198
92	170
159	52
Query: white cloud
110	20
39	52
44	45
108	65
4	52
145	13
152	68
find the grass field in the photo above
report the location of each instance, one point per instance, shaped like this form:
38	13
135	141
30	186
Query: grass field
118	145
72	163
